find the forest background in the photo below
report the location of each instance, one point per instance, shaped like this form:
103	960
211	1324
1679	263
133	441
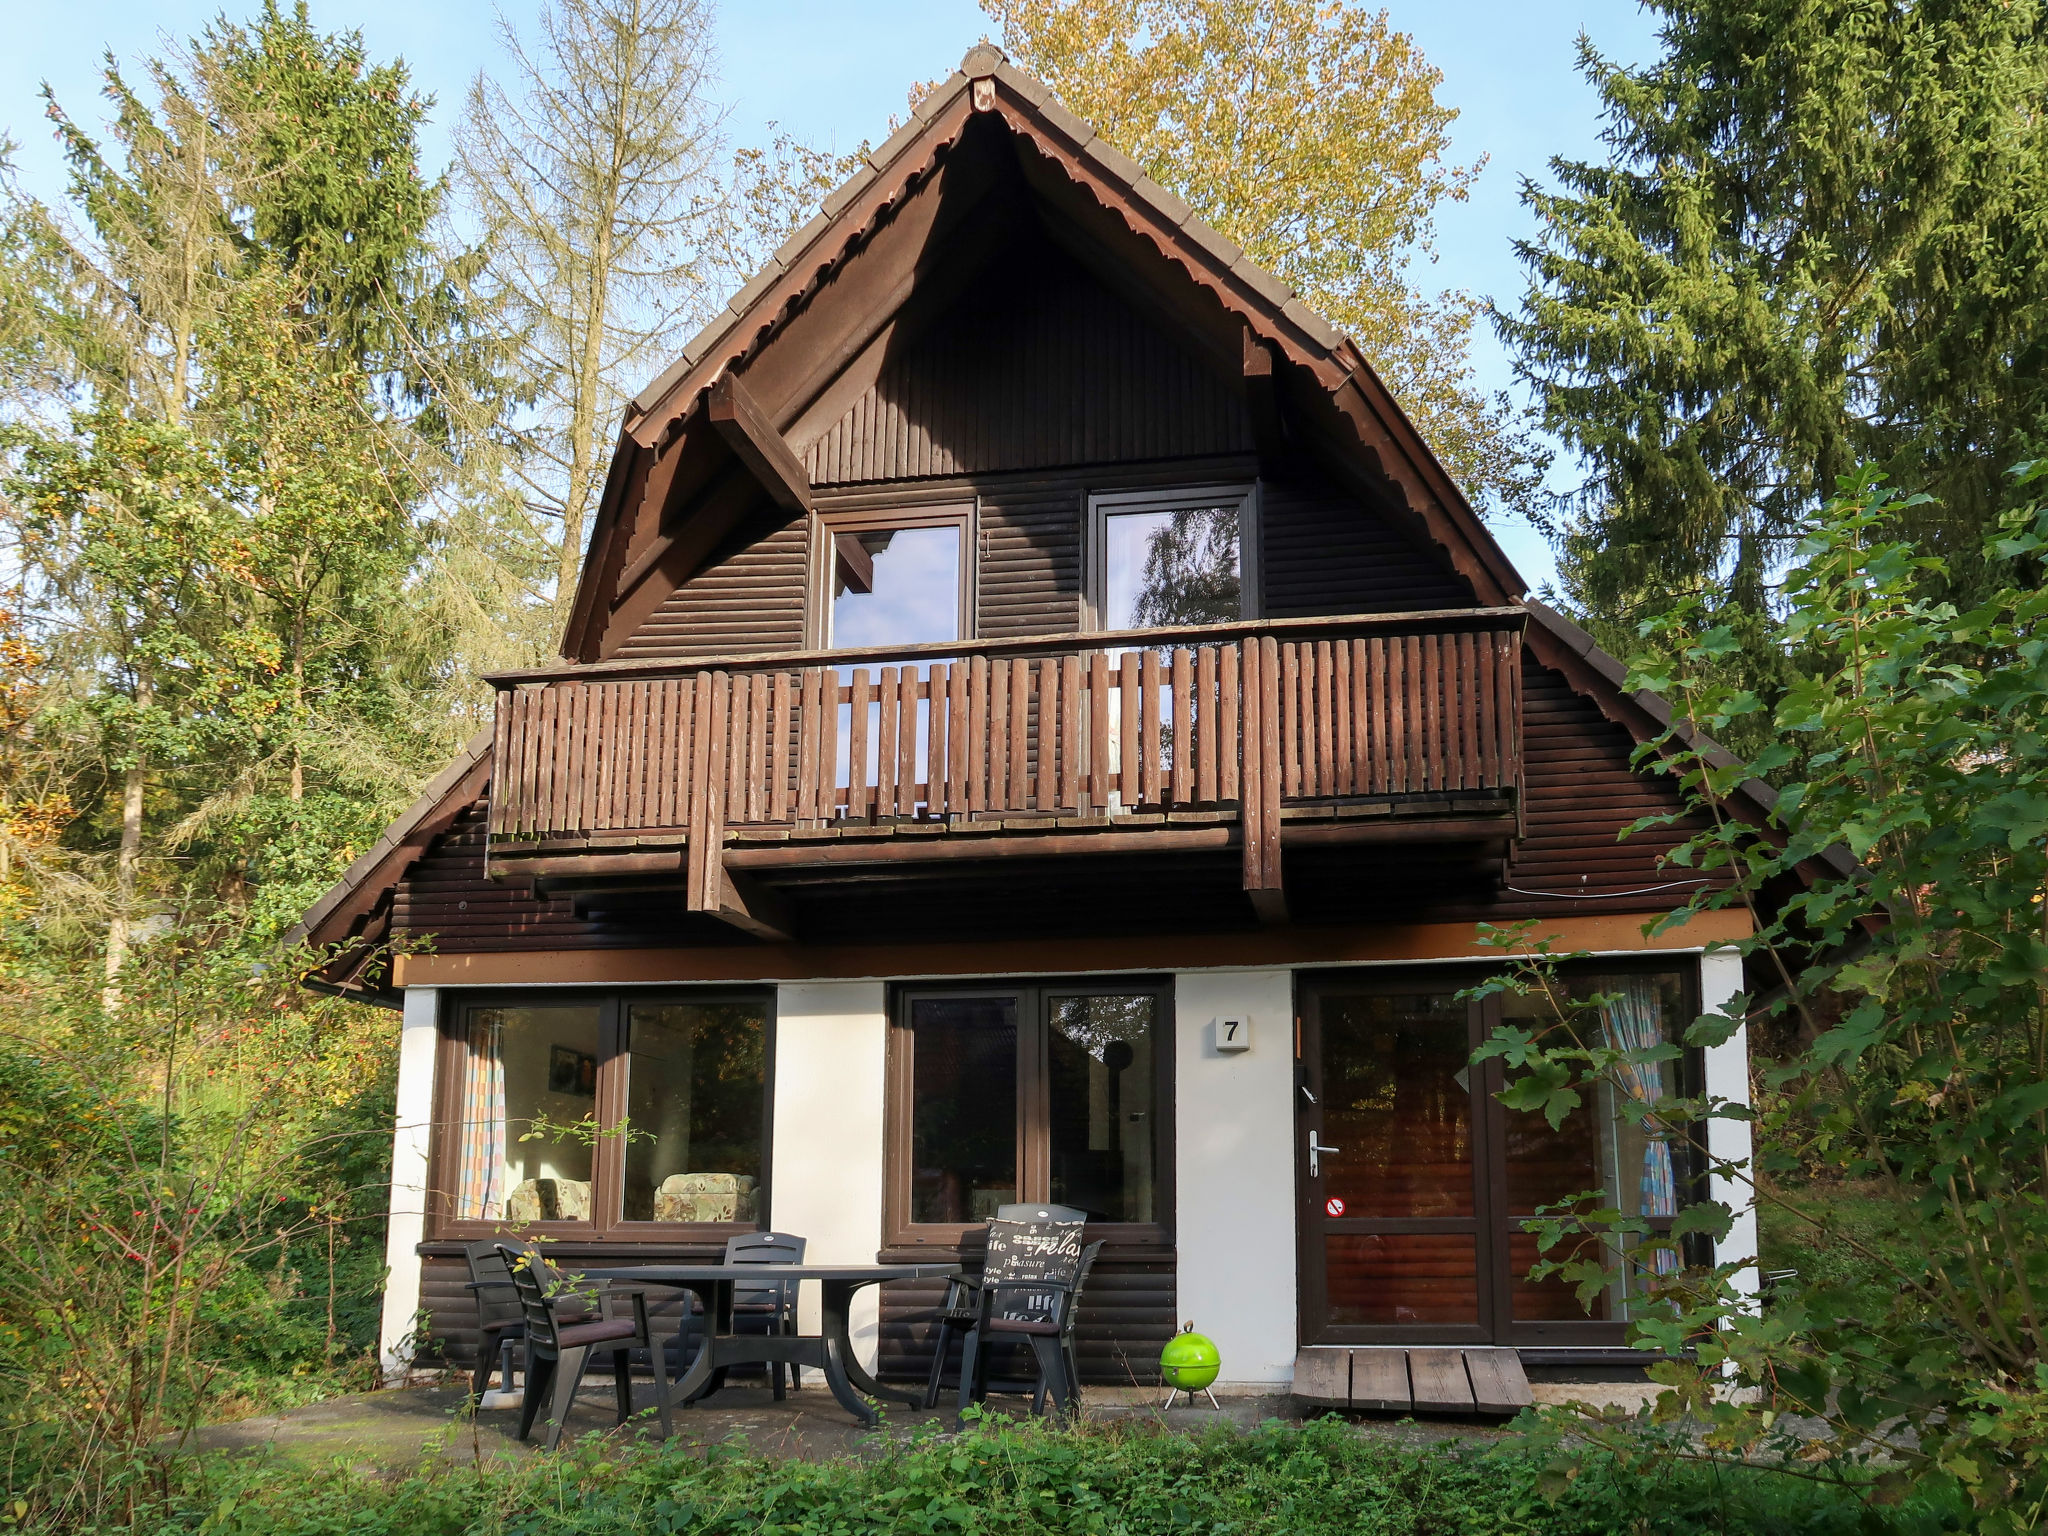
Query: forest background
301	435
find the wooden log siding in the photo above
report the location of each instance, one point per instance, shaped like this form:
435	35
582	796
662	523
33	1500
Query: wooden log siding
1301	712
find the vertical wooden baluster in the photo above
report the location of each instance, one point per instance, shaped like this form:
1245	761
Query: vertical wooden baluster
780	756
1000	708
1205	725
1229	691
702	772
1250	768
1048	734
936	799
1340	705
1361	718
632	713
1290	718
675	762
501	774
1487	769
575	708
607	743
1326	721
661	734
510	776
887	718
1020	734
978	776
568	765
1384	743
1415	717
959	736
1101	770
857	750
1507	682
1070	733
1129	779
1149	745
906	739
595	755
707	837
1183	735
807	746
1440	708
1269	748
829	689
757	750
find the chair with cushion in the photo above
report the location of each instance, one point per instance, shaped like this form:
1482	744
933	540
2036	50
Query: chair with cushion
558	1349
547	1200
705	1197
1030	1286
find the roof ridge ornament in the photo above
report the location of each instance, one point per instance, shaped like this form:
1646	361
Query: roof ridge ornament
979	66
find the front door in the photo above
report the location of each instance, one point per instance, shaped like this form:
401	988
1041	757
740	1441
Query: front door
1397	1229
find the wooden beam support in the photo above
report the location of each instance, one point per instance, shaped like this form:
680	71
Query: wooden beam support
856	566
1262	398
751	435
752	908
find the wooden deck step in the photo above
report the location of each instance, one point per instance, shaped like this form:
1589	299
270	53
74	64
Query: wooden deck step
1392	1379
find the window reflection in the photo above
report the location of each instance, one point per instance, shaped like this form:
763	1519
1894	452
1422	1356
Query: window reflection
896	586
694	1109
1395	1099
963	1112
1171	566
1101	1056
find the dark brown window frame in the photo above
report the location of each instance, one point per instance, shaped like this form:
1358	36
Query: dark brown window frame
964	514
1034	1131
608	1159
1490	1137
1099	506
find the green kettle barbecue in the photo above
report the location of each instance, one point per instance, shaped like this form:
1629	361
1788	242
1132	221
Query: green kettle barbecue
1190	1363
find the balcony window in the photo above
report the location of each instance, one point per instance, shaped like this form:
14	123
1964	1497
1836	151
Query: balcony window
1174	557
897	579
603	1113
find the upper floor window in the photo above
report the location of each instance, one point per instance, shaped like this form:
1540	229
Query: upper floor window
898	578
1163	558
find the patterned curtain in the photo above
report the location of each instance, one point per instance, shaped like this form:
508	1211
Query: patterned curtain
479	1192
1635	1022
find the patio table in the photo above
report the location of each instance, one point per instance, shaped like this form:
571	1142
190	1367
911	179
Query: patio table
829	1351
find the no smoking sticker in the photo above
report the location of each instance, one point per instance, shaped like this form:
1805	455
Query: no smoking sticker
1334	1205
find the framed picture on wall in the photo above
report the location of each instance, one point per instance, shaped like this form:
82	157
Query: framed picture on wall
572	1071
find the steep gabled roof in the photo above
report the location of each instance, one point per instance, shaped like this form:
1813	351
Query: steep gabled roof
891	233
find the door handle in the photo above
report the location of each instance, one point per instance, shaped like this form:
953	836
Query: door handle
1315	1152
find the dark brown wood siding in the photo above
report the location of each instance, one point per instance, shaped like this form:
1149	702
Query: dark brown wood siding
1127	1315
1038	365
749	600
1324	553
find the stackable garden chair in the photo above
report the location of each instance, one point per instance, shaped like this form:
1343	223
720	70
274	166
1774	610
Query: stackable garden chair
1022	1302
767	1307
500	1320
558	1350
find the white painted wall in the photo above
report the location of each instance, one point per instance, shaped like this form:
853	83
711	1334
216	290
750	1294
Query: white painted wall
408	1225
1234	1170
831	1044
1727	1077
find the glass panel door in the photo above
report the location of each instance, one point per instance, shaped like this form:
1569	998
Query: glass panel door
1393	1236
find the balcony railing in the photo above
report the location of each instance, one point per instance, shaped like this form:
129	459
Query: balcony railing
640	768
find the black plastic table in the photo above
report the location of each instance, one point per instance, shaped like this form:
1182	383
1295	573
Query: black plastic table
829	1351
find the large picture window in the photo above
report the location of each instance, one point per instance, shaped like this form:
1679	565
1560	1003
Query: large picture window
603	1113
1006	1093
1167	558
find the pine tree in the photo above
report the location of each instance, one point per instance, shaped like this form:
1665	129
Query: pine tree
1820	239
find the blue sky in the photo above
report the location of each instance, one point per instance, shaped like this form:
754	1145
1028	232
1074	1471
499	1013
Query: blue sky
834	73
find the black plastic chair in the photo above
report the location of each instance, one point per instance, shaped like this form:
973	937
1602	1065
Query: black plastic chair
558	1350
772	1305
1031	1294
500	1320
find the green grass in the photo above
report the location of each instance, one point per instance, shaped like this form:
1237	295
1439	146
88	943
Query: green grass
1319	1479
1833	1274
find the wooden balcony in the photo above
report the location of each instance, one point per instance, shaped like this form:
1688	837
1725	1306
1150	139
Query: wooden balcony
728	780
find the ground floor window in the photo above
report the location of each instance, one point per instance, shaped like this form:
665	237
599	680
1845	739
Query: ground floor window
1415	1180
1046	1092
603	1111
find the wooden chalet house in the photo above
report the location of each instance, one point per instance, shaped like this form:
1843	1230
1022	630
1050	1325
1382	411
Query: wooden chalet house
1036	723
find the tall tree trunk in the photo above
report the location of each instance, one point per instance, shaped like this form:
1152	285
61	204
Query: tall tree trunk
128	862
